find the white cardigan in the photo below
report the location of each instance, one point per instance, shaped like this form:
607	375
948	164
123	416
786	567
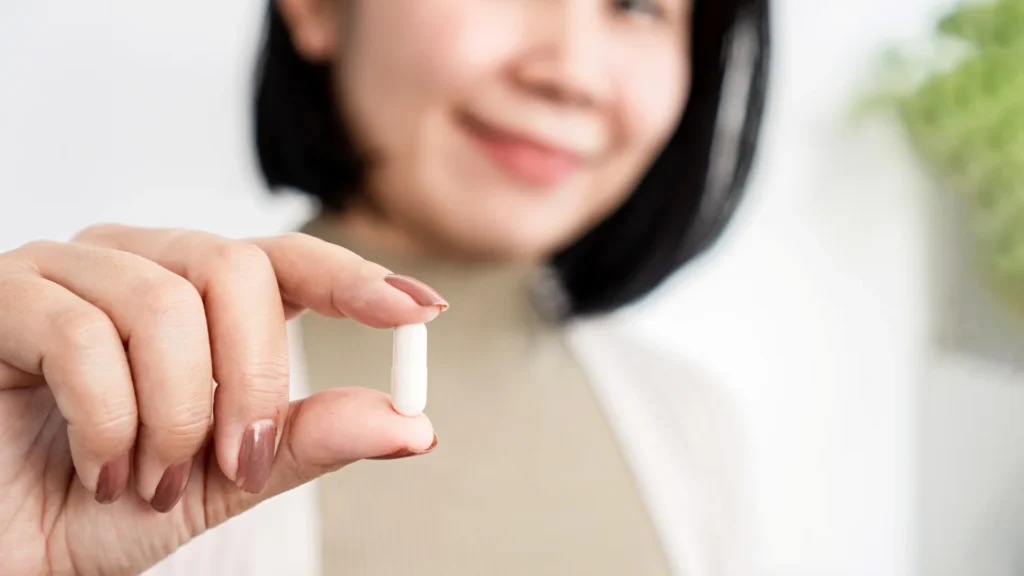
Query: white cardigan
682	438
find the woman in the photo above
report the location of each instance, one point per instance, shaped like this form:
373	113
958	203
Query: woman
464	142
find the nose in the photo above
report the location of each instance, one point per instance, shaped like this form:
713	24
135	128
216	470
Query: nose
567	57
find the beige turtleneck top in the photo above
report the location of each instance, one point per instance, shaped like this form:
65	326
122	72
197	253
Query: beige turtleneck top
527	478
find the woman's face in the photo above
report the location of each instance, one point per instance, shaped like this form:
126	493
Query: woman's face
501	128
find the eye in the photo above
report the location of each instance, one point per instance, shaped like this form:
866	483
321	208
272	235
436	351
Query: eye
644	8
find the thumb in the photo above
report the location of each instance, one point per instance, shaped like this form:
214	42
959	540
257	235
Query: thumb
324	433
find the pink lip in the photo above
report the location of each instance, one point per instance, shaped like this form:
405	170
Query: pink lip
526	160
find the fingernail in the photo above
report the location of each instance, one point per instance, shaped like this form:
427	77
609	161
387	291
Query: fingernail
405	452
421	293
113	479
171	487
256	456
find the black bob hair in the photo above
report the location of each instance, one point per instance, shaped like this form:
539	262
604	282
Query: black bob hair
678	210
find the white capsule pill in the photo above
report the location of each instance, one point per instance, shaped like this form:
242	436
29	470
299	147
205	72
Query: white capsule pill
409	369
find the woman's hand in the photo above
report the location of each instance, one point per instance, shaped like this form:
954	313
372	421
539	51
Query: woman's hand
116	445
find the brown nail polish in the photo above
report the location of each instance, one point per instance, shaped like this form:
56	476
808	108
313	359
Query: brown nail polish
113	479
171	487
256	456
406	453
421	293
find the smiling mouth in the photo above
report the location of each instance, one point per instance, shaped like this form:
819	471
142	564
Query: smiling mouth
526	160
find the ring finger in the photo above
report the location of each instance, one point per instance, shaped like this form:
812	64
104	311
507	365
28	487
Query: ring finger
160	318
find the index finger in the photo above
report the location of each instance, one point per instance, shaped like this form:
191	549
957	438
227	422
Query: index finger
311	274
333	281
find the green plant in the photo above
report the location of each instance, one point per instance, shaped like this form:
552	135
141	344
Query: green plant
964	114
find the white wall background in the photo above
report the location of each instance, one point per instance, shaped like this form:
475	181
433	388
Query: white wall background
882	445
121	110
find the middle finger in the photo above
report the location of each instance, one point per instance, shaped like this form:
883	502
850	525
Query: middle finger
248	338
160	317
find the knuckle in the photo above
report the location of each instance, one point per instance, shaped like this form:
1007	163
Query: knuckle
186	425
169	295
266	382
26	252
242	266
96	230
82	329
115	425
37	246
243	262
294	239
240	256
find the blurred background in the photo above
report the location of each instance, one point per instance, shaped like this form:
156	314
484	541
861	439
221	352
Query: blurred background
878	375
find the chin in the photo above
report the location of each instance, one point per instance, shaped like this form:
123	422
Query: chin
497	220
508	239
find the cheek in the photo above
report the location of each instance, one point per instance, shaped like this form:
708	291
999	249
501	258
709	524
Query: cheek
653	94
477	40
414	58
